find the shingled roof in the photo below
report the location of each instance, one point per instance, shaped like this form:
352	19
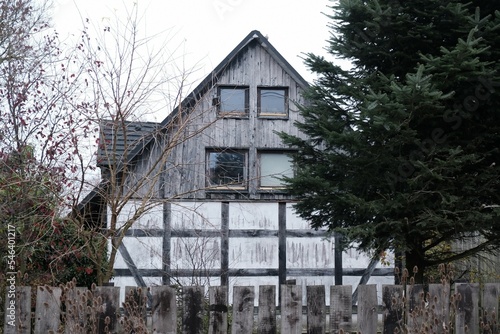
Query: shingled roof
120	140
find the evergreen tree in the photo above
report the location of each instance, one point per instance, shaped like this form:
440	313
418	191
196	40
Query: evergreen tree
403	148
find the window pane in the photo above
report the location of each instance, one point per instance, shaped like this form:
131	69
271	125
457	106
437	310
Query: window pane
272	101
226	168
232	100
274	166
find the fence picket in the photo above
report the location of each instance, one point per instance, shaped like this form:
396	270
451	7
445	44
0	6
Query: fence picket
267	310
489	315
192	319
18	321
48	309
218	310
243	304
467	319
340	308
367	309
291	309
164	310
316	309
392	298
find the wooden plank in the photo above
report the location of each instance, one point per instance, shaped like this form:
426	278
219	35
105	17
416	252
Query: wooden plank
489	316
18	313
439	302
392	298
193	303
267	310
224	244
218	310
340	308
281	244
108	299
135	308
243	304
291	309
316	309
48	309
467	318
75	304
415	305
367	309
164	310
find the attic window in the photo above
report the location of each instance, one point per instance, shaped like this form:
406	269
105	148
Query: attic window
272	101
232	100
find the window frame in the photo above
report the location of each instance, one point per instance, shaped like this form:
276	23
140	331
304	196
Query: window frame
286	106
218	101
208	178
281	186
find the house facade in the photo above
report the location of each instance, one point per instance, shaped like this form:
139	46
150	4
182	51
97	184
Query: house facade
219	214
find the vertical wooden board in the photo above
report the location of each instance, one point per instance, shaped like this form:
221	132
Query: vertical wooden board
18	315
48	309
415	305
75	305
135	306
316	309
489	314
439	303
218	310
267	310
367	309
291	309
467	318
340	308
392	298
164	310
243	304
192	318
107	317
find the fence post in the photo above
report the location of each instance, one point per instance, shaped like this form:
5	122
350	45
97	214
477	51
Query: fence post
193	304
316	309
18	321
439	295
489	314
110	302
291	309
340	308
392	298
75	302
217	310
467	318
267	310
243	304
367	309
48	309
164	310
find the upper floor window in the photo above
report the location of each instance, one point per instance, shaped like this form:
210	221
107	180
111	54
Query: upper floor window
233	100
272	101
226	168
273	167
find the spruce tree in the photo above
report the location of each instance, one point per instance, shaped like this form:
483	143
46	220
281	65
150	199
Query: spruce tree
403	148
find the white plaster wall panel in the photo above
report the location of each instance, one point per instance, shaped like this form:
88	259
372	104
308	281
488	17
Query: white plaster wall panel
253	216
196	215
195	253
196	281
151	219
145	252
309	253
293	221
253	253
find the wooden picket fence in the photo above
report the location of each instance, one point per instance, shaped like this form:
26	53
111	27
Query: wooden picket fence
466	308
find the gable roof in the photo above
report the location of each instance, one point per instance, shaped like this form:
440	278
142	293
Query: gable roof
253	37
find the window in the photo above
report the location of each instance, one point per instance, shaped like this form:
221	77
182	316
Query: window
274	166
233	100
226	168
272	101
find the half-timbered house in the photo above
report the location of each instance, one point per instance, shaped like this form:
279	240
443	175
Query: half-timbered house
220	214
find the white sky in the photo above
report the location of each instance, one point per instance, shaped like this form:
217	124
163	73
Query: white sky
209	29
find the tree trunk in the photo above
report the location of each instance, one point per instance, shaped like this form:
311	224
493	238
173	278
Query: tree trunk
415	264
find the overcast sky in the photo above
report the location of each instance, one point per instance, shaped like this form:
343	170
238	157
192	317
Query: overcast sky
207	30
